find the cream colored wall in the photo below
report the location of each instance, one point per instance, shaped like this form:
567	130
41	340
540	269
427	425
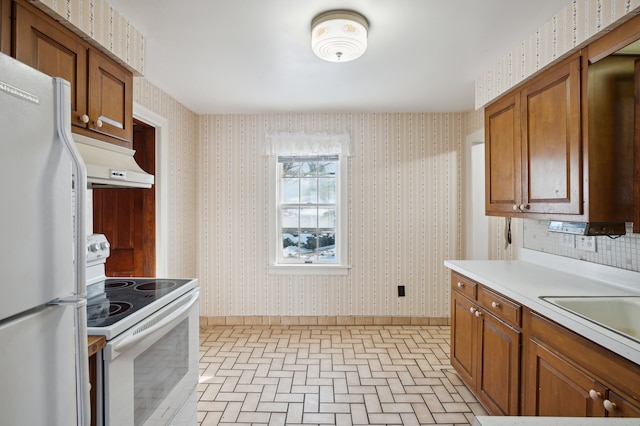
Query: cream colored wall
404	221
405	215
568	30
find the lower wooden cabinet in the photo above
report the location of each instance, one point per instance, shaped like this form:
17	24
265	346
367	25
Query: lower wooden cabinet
557	388
568	375
621	407
517	362
486	353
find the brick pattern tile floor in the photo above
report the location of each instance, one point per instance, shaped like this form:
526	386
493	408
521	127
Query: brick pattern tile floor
330	375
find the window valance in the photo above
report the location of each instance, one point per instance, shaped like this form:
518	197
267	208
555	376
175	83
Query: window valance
301	143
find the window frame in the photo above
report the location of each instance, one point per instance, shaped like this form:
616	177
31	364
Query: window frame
340	266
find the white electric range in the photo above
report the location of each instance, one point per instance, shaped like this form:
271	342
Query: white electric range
148	370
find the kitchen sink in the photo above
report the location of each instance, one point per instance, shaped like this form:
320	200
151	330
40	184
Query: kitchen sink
618	313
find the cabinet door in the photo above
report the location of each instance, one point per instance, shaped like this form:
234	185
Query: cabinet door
551	170
463	338
110	98
499	366
5	27
554	387
621	407
502	155
52	49
636	174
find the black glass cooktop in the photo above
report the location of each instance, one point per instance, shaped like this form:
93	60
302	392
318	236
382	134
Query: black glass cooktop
124	296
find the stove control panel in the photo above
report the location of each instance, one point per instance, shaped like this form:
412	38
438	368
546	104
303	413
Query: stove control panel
97	249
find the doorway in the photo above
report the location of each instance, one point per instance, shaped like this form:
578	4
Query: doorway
476	222
127	217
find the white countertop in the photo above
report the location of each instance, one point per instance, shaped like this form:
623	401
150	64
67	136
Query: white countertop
553	421
525	281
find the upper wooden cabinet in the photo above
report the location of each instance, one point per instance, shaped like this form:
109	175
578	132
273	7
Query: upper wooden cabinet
101	90
52	49
110	97
636	188
616	56
533	146
503	156
5	27
550	132
561	145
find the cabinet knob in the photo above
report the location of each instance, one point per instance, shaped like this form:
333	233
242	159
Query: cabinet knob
478	314
472	310
495	305
524	207
515	207
608	405
594	394
98	123
460	285
84	118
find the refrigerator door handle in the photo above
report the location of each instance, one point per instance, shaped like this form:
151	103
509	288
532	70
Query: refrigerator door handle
63	127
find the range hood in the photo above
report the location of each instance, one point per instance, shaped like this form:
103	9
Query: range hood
111	166
588	228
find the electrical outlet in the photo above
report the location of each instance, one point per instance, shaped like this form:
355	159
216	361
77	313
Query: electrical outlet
400	291
586	243
568	241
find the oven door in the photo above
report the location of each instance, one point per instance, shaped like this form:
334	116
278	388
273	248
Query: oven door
151	370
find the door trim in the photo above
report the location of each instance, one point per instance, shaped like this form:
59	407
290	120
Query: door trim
161	125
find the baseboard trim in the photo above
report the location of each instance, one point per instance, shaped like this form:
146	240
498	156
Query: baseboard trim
322	320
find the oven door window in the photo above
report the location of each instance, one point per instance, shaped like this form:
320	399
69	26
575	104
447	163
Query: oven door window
151	370
158	370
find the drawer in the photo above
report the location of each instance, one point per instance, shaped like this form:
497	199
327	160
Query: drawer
503	308
463	285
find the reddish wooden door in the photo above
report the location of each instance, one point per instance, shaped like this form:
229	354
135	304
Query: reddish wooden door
127	216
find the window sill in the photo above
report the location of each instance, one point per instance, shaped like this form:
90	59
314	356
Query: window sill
306	269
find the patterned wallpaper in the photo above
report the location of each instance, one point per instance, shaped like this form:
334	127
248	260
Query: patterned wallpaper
566	31
183	169
406	211
102	25
405	216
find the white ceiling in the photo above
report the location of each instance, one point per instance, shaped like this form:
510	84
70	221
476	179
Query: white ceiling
239	56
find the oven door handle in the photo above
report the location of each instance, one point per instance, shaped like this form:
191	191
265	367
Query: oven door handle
164	322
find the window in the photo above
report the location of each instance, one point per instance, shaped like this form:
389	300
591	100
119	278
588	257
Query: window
308	222
307	188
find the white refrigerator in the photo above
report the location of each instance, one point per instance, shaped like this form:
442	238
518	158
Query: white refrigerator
43	337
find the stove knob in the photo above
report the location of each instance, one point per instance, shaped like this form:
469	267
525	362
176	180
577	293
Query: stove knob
104	245
94	248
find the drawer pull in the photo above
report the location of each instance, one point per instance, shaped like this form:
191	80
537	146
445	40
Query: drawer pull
478	314
495	305
609	406
595	395
460	284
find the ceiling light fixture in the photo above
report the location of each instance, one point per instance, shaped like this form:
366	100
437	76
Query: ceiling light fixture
339	35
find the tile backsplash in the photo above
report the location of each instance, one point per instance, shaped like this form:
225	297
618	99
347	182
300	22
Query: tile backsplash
622	252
